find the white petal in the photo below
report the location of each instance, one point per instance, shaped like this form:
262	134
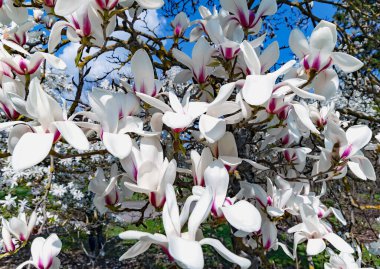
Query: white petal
315	246
137	249
31	150
212	128
67	7
338	243
346	62
72	134
225	253
298	43
119	145
258	89
187	253
154	102
243	216
170	213
251	59
200	212
303	115
151	4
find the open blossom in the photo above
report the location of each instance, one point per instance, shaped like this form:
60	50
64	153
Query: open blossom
246	18
107	192
19	227
44	253
149	171
183	247
315	231
30	143
180	24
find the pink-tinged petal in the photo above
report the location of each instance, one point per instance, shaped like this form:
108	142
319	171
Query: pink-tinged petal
225	253
358	136
269	233
346	62
217	178
72	134
177	121
142	69
31	149
298	43
251	59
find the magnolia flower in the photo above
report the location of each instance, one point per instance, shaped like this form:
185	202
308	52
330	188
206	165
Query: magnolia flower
85	22
242	215
8	242
143	73
266	59
149	171
198	64
247	18
106	192
10	86
274	200
18	34
318	56
228	48
30	64
344	261
199	165
180	115
9	13
19	227
183	247
180	24
30	143
206	15
44	253
315	231
114	114
345	148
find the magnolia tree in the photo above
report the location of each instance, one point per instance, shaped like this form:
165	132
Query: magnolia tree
223	135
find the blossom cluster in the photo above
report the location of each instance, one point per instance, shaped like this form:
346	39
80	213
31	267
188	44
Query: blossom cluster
229	83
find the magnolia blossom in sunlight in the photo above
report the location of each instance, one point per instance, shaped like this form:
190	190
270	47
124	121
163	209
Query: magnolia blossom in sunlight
185	248
180	23
315	231
149	171
31	142
107	192
202	126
